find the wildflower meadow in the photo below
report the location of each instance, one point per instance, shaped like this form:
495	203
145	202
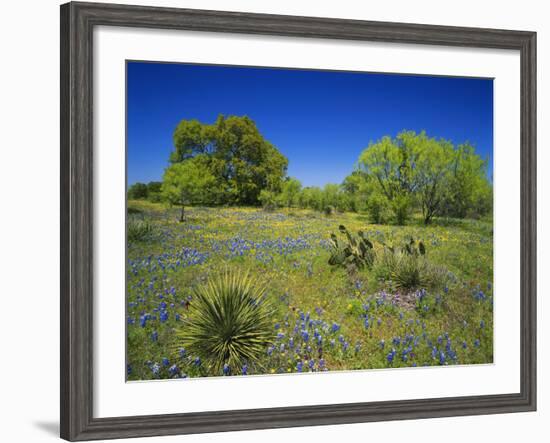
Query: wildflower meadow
301	221
323	318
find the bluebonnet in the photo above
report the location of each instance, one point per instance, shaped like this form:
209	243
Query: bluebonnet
155	368
154	336
165	361
226	369
244	369
173	370
479	295
143	320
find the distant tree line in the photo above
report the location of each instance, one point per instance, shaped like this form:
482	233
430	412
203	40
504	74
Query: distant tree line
230	163
146	191
395	177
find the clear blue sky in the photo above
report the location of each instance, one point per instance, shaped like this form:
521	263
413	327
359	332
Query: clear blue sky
320	120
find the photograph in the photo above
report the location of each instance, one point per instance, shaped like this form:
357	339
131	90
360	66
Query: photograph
288	221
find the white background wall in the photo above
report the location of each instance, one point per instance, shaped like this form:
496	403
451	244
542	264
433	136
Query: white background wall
29	214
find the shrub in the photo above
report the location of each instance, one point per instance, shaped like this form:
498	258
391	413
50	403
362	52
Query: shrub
408	268
268	199
229	322
408	271
138	230
401	207
134	211
377	208
329	210
384	264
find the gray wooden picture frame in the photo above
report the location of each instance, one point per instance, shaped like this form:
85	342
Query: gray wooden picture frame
77	23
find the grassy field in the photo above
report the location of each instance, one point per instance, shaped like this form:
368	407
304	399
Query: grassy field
326	318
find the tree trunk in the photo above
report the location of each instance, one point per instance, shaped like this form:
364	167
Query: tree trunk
182	216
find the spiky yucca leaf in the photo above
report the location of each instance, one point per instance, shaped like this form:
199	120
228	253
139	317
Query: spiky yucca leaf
138	230
229	322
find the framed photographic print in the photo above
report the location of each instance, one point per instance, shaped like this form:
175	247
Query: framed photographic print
273	221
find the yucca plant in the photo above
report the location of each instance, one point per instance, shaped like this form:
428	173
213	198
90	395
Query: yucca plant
138	230
229	322
410	271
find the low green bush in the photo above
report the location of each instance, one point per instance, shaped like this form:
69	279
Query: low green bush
408	268
139	230
378	209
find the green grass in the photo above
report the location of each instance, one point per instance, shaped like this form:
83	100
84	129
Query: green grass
288	252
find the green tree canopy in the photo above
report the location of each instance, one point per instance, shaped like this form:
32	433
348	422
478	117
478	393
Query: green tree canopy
241	160
137	191
428	170
468	192
290	191
142	191
188	182
416	169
